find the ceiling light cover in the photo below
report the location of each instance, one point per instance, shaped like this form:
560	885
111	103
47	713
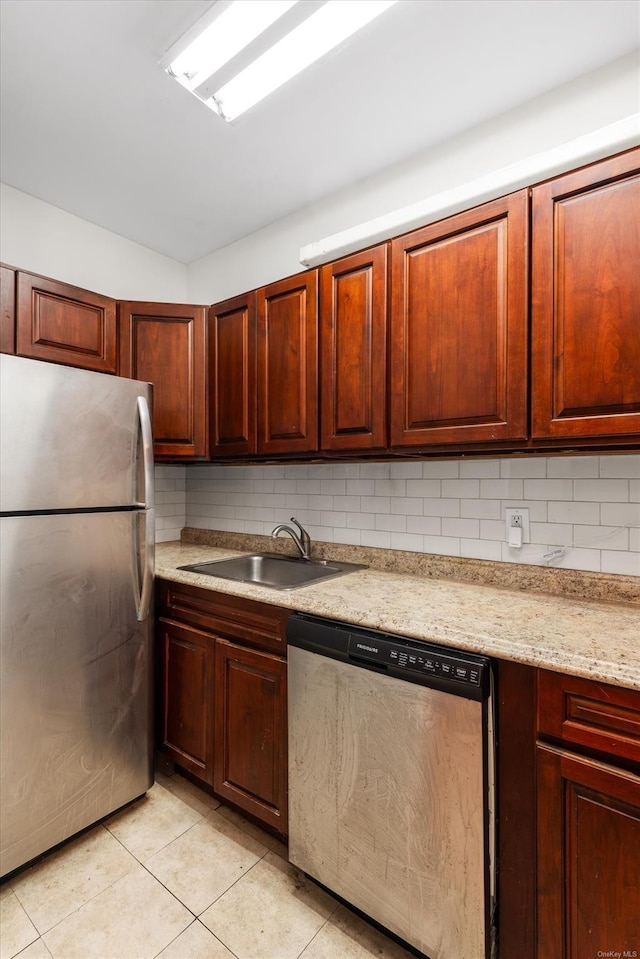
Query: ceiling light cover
227	35
322	31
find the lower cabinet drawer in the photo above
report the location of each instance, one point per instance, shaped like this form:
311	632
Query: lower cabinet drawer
589	714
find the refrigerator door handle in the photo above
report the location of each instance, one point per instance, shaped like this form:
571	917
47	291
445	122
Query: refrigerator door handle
146	437
146	548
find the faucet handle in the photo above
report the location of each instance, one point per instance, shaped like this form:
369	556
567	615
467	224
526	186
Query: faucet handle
305	538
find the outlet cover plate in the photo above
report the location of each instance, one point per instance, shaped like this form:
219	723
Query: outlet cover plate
523	513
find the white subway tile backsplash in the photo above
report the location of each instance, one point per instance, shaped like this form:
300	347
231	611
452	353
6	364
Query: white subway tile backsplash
445	545
407	504
469	528
567	512
350	537
349	503
548	489
530	553
441	507
360	487
480	549
424	487
491	529
620	466
620	514
481	508
600	490
467	489
361	520
430	525
626	564
587	559
602	537
573	467
530	467
390	487
396	524
409	541
405	470
375	470
333	487
441	469
376	538
589	505
511	489
345	471
552	534
376	504
479	469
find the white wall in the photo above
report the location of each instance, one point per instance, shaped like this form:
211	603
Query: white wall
587	505
578	108
43	239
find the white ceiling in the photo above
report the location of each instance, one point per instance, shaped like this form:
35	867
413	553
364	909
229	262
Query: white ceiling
91	124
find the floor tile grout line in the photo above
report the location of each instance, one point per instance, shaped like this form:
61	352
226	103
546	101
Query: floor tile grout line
87	832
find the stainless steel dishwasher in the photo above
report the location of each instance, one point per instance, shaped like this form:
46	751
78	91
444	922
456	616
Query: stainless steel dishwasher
391	781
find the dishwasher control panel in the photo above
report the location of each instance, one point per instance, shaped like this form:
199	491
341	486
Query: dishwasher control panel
415	659
439	667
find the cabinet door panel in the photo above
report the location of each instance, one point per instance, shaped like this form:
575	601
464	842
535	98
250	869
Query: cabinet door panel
588	841
251	732
586	302
353	336
7	310
459	328
232	376
288	365
64	324
186	698
165	344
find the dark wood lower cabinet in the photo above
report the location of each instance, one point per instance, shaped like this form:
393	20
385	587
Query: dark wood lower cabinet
186	693
588	819
588	856
221	709
250	732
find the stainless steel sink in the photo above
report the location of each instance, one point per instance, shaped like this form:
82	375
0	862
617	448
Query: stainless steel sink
274	570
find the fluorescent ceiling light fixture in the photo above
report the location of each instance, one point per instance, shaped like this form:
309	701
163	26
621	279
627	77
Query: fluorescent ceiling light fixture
226	36
322	31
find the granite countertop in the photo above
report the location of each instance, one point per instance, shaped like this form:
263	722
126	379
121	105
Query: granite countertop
594	639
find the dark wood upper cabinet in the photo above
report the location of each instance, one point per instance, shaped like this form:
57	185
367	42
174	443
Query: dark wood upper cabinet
65	324
288	365
7	310
586	302
459	328
353	343
232	377
166	344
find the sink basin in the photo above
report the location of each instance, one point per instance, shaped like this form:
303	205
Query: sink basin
274	570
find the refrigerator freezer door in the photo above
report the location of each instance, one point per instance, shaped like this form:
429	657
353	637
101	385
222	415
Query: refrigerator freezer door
75	678
70	439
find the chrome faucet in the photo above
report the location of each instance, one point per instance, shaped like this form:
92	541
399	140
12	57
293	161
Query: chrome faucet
302	540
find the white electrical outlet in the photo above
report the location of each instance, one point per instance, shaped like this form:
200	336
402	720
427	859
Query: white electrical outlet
517	518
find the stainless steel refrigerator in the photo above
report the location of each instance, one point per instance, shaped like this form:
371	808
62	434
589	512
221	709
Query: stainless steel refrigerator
76	553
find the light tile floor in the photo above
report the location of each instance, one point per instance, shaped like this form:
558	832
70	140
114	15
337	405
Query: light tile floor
178	876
